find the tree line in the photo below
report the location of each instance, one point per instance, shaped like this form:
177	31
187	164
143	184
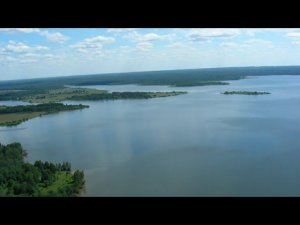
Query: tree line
120	95
47	107
20	178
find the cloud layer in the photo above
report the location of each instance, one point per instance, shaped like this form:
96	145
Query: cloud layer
35	52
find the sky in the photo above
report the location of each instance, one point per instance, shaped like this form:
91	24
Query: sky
33	52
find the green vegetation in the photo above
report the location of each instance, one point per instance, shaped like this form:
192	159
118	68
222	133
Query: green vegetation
14	115
245	93
13	119
126	95
46	95
20	178
171	77
48	108
62	94
57	95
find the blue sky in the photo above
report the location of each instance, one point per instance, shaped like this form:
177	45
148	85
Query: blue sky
32	52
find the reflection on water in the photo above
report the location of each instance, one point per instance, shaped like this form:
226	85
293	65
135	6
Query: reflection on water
199	144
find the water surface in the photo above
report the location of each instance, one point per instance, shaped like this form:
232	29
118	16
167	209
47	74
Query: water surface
199	144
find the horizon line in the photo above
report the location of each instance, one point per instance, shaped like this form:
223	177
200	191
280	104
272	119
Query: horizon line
143	71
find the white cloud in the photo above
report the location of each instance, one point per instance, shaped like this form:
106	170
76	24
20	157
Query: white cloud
228	44
253	31
33	57
293	34
2	51
179	46
204	34
93	43
54	37
137	37
296	42
37	57
24	30
124	49
19	47
50	36
11	59
100	39
258	42
144	46
120	30
253	43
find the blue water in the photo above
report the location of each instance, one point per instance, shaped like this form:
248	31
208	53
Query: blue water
199	144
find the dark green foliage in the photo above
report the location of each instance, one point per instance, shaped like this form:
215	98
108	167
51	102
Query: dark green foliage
66	166
19	94
48	108
246	93
125	95
19	178
13	123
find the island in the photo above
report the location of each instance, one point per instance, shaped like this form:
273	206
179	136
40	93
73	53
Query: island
20	178
14	115
245	93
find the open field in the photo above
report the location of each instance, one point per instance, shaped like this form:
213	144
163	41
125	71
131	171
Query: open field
14	115
17	118
62	179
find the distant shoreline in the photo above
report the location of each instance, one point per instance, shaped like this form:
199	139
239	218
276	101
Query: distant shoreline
245	93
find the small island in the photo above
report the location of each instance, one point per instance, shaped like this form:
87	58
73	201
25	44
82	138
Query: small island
14	115
41	179
245	93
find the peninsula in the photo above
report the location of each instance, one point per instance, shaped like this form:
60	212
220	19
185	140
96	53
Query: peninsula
75	94
14	115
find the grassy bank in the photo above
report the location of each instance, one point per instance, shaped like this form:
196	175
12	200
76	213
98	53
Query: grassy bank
20	178
14	115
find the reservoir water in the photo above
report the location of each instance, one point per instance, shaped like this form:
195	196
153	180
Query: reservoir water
199	144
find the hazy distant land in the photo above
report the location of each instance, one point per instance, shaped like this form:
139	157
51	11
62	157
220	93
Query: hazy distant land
188	77
53	90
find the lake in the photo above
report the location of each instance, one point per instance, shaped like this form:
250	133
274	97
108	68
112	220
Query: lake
199	144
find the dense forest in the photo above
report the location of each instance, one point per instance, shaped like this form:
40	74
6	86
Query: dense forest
169	77
20	178
47	108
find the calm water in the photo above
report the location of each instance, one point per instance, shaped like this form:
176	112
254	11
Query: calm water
199	144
